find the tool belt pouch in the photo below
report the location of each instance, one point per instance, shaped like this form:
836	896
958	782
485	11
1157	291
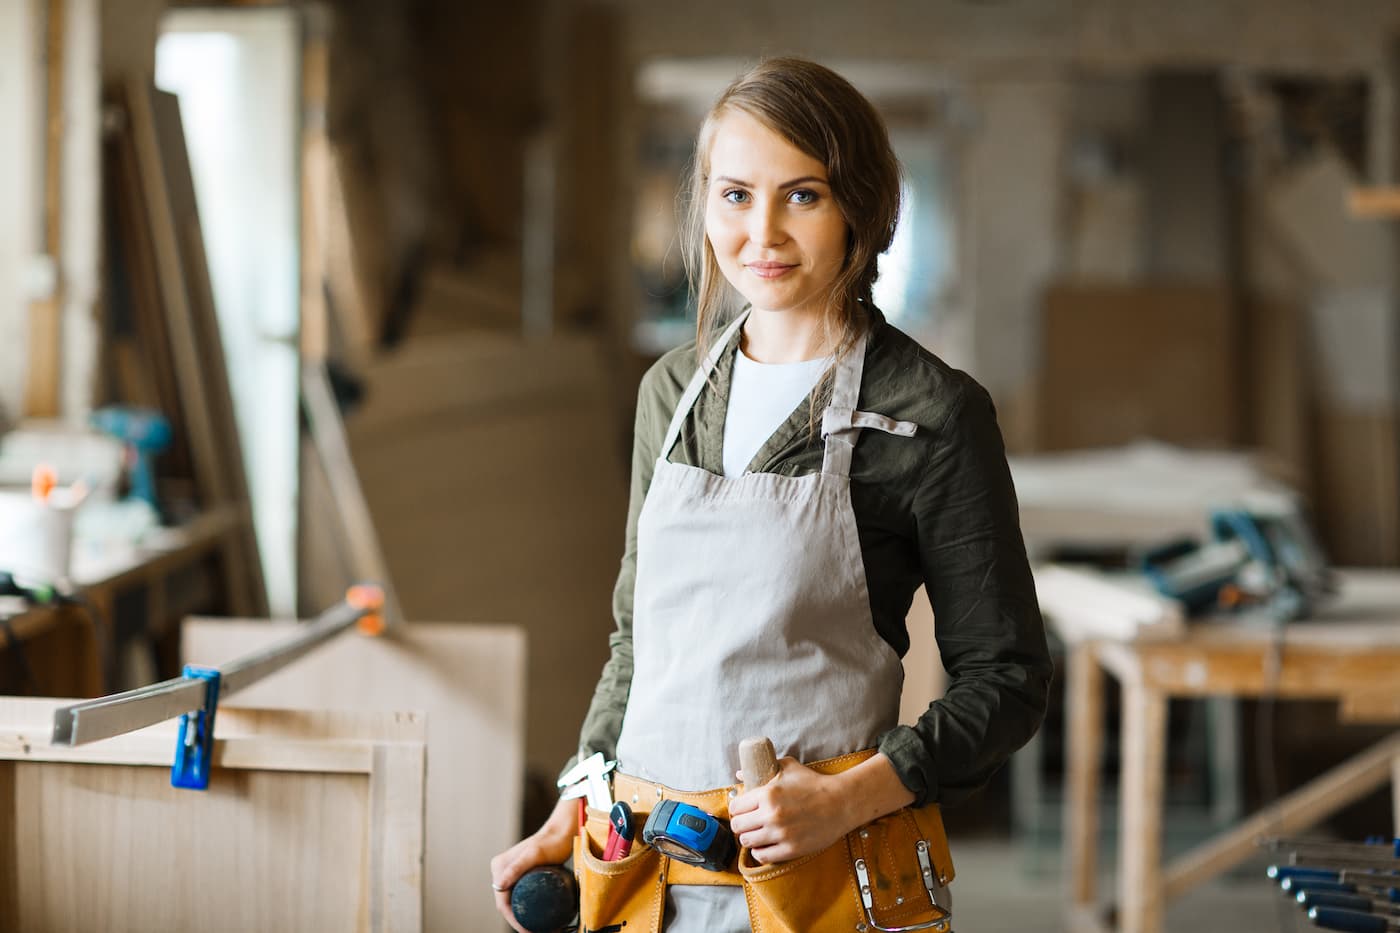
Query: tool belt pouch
629	890
873	879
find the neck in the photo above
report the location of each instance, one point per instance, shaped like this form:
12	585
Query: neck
783	337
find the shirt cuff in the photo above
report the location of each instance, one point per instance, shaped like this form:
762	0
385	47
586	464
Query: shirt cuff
911	760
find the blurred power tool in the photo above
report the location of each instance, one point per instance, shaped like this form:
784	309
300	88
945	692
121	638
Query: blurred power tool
1262	554
145	434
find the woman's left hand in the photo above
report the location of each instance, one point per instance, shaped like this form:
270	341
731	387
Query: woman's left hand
800	811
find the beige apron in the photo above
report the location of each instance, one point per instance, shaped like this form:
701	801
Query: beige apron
752	617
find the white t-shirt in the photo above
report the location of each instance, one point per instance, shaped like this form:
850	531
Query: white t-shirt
761	397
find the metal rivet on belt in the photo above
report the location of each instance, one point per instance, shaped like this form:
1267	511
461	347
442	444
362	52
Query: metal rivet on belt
864	834
658	793
733	792
898	901
634	798
860	927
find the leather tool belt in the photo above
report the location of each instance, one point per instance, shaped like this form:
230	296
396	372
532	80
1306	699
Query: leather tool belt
889	875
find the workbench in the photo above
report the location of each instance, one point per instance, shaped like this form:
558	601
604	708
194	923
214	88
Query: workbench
1348	651
142	592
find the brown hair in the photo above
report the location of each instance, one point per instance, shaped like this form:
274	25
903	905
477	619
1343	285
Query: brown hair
824	116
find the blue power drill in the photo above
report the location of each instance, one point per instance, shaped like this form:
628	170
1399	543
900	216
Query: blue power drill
145	434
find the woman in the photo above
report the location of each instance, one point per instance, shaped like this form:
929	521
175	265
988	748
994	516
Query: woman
797	475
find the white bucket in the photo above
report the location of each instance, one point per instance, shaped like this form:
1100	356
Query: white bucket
36	538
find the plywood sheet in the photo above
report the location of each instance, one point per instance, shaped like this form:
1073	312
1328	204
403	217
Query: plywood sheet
469	679
313	821
496	474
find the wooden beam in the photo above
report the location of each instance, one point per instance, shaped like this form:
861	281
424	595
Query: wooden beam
315	171
1085	759
359	539
1377	202
1297	811
45	359
1143	772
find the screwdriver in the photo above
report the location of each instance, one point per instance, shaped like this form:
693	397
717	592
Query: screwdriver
1351	921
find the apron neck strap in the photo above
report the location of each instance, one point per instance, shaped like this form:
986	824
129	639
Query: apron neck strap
697	383
845	392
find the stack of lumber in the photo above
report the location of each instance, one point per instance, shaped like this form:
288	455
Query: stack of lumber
165	347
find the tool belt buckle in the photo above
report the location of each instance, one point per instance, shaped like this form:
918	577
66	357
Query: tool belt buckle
934	889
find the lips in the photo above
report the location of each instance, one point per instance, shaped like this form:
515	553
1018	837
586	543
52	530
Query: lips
769	270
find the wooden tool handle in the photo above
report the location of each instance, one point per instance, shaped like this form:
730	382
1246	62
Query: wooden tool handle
758	762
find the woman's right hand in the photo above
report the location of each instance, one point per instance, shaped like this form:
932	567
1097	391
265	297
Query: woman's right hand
551	844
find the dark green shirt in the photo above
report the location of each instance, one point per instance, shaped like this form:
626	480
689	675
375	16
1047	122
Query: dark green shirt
937	509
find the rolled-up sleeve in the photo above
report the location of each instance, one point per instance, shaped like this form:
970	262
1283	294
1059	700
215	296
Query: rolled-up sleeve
986	618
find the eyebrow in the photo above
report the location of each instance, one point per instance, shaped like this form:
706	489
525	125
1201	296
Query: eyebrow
805	179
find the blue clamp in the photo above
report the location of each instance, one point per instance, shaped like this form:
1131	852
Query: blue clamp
194	749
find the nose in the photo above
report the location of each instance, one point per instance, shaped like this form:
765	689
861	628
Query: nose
766	223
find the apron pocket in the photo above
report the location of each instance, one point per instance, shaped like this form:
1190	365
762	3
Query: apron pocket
629	890
807	895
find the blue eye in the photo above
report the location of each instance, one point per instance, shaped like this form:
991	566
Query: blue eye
735	196
803	196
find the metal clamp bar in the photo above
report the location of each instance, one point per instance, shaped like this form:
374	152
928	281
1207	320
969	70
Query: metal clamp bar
104	717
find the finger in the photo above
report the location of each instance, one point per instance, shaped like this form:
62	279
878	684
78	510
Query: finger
767	855
744	803
503	907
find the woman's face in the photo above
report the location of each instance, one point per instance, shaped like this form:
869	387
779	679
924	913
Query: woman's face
777	235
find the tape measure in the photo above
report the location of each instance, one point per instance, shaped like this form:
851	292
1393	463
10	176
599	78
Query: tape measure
688	834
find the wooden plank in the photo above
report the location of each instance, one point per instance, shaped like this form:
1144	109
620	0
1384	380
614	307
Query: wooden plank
315	158
244	555
396	837
1370	707
1084	605
1297	811
136	281
97	843
45	359
1375	202
1143	769
468	679
1084	759
188	312
358	538
1216	669
1395	794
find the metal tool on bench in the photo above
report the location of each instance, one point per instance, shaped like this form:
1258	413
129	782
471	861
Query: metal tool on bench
1262	553
1351	921
1342	886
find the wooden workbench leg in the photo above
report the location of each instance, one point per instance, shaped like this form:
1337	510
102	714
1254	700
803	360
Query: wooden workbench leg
1395	794
1141	800
1084	757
